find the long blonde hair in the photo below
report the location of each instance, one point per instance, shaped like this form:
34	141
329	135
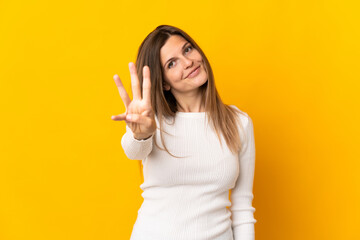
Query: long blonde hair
223	118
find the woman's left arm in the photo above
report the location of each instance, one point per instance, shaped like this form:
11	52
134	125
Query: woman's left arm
241	195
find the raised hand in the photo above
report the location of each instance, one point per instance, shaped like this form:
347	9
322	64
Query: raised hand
139	115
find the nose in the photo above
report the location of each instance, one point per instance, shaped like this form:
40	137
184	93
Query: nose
187	62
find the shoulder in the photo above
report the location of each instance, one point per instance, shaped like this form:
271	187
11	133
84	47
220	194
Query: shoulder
247	128
244	117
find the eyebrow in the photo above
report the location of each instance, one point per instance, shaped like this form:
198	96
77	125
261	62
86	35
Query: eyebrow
172	57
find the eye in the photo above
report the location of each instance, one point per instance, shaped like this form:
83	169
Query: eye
170	64
189	47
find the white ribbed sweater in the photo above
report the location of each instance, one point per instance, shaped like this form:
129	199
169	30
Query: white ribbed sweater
187	198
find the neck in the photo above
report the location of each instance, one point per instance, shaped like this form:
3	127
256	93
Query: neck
189	102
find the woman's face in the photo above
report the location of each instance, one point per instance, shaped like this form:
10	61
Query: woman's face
183	66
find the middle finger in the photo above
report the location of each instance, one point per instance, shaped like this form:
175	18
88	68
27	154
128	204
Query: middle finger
123	94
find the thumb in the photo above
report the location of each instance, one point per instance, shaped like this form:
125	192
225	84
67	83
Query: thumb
119	117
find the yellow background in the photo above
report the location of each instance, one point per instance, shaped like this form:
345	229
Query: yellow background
293	66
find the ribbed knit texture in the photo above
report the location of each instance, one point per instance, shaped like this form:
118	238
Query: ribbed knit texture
187	198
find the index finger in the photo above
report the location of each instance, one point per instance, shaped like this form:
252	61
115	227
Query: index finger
135	85
123	94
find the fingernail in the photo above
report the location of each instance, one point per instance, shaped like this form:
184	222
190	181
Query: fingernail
115	76
112	117
128	117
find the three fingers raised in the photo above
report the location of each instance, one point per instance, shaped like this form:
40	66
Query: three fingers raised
135	86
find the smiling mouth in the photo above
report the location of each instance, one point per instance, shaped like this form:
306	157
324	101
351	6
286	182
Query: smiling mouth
192	72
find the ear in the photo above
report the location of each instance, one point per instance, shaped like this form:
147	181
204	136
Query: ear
166	86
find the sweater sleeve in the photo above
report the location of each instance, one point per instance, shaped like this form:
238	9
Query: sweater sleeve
241	195
136	149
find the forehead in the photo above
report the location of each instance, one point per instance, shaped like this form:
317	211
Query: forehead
172	46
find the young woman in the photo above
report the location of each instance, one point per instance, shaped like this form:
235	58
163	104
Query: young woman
193	147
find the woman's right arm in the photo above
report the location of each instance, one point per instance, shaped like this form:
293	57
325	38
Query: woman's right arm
139	116
136	149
